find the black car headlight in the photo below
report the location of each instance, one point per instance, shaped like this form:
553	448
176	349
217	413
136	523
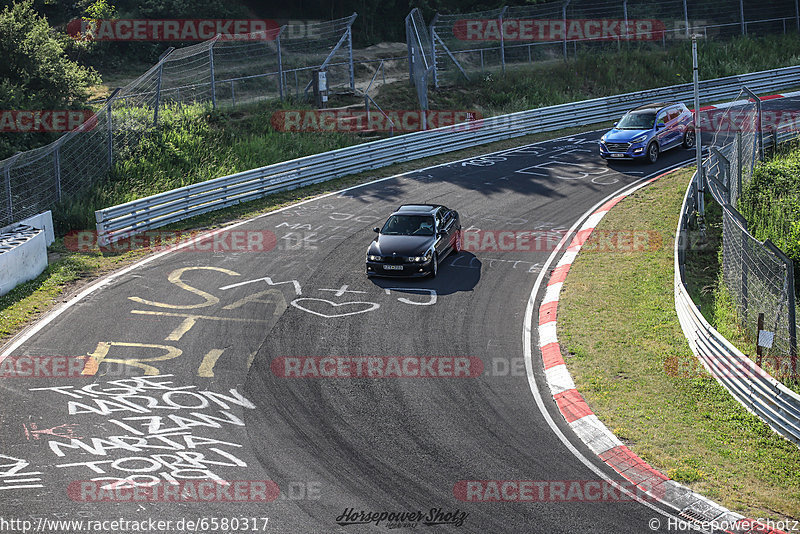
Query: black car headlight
373	257
420	259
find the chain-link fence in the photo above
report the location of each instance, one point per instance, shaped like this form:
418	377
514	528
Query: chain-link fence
221	71
468	43
757	274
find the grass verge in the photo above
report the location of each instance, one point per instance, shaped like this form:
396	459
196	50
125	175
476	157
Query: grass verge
627	354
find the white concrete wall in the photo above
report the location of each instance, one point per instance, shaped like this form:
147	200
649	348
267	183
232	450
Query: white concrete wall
23	262
43	221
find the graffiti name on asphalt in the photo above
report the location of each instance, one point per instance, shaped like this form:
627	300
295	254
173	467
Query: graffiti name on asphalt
14	474
165	431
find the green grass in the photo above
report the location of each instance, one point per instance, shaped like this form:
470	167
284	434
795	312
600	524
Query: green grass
594	74
629	358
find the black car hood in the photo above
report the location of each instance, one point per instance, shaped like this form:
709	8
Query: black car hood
402	245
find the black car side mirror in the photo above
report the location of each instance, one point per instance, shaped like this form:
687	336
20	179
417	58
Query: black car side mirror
376	230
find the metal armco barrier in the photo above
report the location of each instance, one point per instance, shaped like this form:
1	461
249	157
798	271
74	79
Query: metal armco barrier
120	221
754	388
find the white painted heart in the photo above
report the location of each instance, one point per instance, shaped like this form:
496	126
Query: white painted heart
371	306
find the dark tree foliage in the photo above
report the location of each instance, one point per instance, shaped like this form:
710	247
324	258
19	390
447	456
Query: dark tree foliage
35	72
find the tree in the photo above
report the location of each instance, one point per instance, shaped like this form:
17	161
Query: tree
35	72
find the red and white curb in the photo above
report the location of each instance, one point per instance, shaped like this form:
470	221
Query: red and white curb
586	425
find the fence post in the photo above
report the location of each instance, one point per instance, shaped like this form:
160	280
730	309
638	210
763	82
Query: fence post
758	125
564	22
57	168
502	40
790	301
744	241
280	62
350	56
109	121
9	201
213	82
797	13
158	83
759	328
233	94
625	15
410	53
686	17
741	16
738	167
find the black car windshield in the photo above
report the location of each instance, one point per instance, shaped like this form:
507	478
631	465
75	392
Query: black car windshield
408	225
637	120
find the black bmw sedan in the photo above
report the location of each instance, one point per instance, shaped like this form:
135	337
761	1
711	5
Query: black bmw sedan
414	240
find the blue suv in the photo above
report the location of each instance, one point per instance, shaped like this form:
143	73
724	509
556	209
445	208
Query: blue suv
647	131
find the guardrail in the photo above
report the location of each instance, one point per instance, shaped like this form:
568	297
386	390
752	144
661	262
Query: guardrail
754	388
120	221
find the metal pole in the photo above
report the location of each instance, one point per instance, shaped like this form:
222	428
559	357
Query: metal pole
350	57
738	167
158	84
758	125
280	63
213	83
109	120
701	186
564	22
791	302
741	16
759	328
797	13
625	14
410	52
233	94
57	164
502	40
686	17
9	201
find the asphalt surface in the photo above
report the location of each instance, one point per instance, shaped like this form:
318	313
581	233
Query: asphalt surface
208	326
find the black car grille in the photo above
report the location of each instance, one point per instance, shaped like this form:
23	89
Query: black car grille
393	259
618	147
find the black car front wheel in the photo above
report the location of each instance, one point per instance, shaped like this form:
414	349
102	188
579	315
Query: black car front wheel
652	152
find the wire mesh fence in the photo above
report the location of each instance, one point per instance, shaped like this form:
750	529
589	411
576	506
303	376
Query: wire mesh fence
218	72
476	42
758	276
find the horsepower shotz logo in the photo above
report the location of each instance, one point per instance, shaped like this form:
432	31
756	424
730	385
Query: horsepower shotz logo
558	29
173	29
407	519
